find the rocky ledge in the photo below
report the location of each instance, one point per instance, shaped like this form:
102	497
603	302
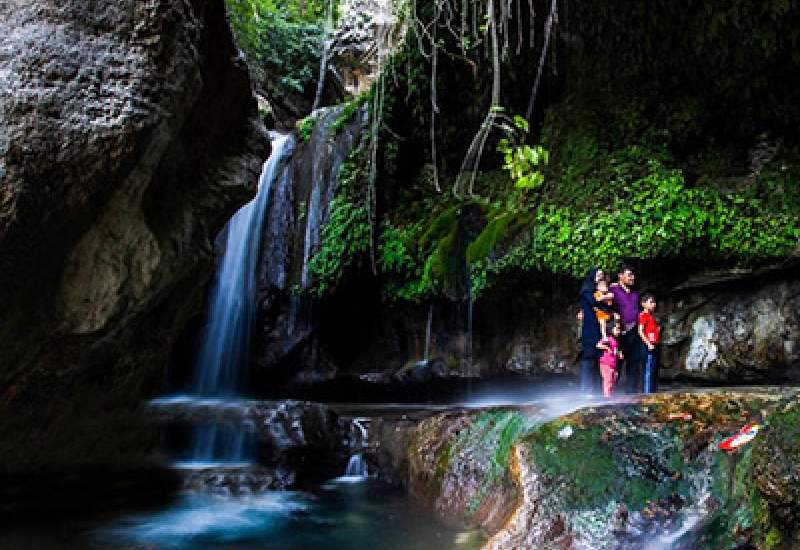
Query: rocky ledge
287	434
646	471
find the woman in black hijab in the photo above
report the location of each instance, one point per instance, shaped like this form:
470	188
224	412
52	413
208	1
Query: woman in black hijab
590	331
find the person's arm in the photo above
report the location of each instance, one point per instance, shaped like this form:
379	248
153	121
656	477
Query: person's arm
603	346
644	338
588	295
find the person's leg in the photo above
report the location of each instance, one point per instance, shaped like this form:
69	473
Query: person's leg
655	368
633	368
647	386
587	374
622	364
608	376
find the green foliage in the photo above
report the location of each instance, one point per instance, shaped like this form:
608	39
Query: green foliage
523	161
395	252
647	211
305	127
346	235
279	38
654	216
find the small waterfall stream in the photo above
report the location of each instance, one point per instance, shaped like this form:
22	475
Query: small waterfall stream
359	442
428	326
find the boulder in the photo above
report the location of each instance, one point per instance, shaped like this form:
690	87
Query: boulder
128	135
623	475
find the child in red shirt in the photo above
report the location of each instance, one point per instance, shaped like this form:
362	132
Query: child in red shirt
650	333
608	361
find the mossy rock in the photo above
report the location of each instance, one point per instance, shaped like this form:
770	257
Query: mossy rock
776	464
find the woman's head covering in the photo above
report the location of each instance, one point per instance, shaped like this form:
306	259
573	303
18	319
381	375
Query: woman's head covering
589	282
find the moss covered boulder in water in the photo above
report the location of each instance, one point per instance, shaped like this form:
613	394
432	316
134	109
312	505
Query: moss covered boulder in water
630	474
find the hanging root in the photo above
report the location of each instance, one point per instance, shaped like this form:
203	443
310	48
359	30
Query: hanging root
473	157
552	19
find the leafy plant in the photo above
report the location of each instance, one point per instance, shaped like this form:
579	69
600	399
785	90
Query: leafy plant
305	127
523	161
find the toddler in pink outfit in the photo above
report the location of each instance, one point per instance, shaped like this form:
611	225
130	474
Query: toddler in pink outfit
608	361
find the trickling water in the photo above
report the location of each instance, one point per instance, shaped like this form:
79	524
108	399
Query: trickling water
225	343
226	442
359	441
428	333
356	466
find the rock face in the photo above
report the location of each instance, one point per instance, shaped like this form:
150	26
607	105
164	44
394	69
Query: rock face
726	327
285	346
625	475
129	135
738	335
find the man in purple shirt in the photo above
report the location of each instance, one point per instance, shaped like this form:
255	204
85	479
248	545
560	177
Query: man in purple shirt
626	301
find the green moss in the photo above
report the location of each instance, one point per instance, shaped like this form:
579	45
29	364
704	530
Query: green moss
487	443
596	466
584	459
494	233
441	225
744	509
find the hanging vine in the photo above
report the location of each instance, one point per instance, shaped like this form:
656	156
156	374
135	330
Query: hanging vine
494	37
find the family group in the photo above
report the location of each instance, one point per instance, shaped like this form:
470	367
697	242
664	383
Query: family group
619	335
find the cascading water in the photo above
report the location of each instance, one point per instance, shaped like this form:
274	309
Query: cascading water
359	441
225	343
226	339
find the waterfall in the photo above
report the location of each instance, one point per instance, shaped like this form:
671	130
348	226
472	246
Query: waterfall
225	343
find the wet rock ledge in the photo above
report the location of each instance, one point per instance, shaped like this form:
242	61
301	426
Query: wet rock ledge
646	471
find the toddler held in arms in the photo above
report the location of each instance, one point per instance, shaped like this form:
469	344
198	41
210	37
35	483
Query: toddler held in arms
608	361
602	294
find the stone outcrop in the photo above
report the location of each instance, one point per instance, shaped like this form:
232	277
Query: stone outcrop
737	334
281	428
128	135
